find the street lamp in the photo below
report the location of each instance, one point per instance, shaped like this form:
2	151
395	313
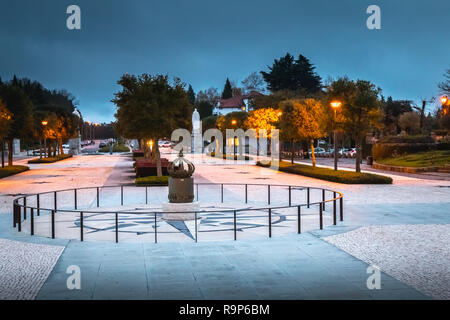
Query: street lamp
335	105
445	104
44	123
234	122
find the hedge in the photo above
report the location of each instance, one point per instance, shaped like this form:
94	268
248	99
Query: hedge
392	150
58	157
153	181
406	139
340	176
116	148
11	170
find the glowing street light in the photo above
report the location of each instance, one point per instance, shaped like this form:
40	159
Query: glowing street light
44	123
233	122
335	104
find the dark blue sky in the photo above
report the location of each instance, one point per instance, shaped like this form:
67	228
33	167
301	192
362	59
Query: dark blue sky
205	41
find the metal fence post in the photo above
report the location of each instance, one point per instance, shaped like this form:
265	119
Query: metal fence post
38	204
19	219
196	190
156	227
323	199
334	208
32	221
75	199
121	195
246	194
195	226
25	208
289	196
146	194
117	227
270	223
234	214
53	224
341	211
98	197
307	196
321	216
14	214
81	226
298	219
221	193
56	201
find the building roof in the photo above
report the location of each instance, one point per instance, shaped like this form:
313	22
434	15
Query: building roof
237	101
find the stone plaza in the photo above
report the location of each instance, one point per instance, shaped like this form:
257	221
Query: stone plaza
402	229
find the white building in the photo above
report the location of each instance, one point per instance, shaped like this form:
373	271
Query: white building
237	103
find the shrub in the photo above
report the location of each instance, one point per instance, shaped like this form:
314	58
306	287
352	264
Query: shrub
392	150
340	176
58	157
153	181
406	139
116	148
11	170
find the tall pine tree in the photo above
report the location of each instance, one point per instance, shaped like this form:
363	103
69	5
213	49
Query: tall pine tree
191	95
289	74
227	92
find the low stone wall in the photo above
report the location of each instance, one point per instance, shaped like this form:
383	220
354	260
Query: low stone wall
445	168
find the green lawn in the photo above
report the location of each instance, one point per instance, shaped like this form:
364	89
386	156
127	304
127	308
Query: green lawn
10	170
58	157
420	159
340	176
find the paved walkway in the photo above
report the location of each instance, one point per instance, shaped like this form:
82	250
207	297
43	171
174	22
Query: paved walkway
284	267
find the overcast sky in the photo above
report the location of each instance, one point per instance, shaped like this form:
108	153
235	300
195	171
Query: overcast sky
205	41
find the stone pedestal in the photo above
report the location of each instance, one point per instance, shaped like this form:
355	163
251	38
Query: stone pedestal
182	211
181	190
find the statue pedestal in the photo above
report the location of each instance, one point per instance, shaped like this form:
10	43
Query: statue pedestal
179	210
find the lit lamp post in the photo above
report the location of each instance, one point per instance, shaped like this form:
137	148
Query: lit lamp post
234	122
44	123
445	103
335	105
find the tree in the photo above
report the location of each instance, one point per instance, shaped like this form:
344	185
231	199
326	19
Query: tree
392	110
445	85
205	109
150	108
410	122
211	95
253	82
227	90
5	124
263	119
191	95
361	109
301	120
21	109
289	74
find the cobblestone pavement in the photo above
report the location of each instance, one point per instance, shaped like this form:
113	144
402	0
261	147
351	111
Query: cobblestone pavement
418	255
24	267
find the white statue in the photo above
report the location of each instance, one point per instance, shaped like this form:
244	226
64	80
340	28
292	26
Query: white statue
197	142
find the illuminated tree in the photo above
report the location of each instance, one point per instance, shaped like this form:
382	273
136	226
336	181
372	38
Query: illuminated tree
150	108
361	109
301	120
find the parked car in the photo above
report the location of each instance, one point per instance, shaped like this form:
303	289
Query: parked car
164	144
318	151
102	144
351	153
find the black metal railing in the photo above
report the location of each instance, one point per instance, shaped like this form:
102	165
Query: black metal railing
21	207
